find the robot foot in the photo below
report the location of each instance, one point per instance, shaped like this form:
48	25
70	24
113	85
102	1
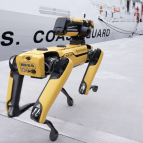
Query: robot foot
54	133
94	88
69	99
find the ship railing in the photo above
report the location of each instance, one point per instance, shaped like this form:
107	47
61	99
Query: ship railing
112	16
127	17
95	2
107	13
117	16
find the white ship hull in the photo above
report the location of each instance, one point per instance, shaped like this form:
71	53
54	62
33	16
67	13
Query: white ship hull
23	27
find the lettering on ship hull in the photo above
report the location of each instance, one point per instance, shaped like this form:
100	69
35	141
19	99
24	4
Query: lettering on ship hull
40	36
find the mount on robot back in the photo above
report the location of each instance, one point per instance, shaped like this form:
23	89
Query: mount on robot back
76	28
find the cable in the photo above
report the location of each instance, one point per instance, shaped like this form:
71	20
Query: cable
48	67
120	31
117	30
109	25
116	27
112	27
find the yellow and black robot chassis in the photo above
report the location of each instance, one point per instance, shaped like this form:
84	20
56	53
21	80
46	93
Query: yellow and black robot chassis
57	62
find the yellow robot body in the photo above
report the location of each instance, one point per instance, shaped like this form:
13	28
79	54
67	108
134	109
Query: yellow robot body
57	62
34	59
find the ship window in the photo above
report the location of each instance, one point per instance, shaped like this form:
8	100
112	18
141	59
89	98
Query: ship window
54	11
134	4
128	5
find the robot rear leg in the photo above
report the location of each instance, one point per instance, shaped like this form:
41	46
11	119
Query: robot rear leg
94	63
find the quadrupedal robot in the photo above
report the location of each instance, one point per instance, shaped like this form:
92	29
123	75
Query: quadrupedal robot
57	62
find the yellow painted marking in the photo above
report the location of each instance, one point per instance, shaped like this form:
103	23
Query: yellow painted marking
38	106
9	103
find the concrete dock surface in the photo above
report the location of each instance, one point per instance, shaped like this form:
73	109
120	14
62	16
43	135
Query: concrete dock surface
113	114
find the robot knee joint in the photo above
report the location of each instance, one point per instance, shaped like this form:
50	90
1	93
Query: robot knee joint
36	113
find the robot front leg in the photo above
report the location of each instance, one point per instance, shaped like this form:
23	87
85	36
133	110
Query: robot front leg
13	95
69	99
55	84
14	91
94	63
